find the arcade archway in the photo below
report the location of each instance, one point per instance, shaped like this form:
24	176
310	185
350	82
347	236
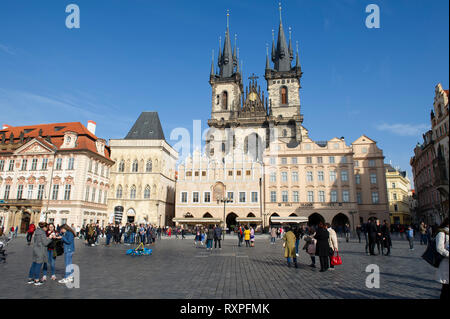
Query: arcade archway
339	221
231	222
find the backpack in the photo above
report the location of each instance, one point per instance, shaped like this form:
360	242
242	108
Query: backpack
431	254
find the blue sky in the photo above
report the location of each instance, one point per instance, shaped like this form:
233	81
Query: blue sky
134	55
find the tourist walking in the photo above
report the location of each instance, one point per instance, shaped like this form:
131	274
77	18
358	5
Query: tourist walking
240	234
372	235
358	232
209	238
410	237
67	237
386	237
332	242
273	235
289	247
322	246
310	247
298	235
423	233
217	237
109	234
252	237
442	247
49	266
30	233
247	236
39	253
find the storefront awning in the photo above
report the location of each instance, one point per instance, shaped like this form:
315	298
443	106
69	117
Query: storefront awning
197	220
288	220
253	220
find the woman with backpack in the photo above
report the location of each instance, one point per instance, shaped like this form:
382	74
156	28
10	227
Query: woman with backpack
443	249
310	247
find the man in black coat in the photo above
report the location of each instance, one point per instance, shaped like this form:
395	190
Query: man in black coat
322	246
386	235
372	234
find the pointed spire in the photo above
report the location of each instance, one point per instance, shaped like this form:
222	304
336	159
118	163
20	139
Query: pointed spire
273	45
297	61
291	51
282	57
237	61
267	57
212	64
220	51
226	62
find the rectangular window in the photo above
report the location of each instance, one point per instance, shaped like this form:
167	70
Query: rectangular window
394	196
284	160
332	176
34	164
375	198
254	197
24	165
273	197
70	163
284	196
241	197
359	198
58	164
356	163
230	196
40	193
320	176
294	160
67	192
207	197
7	190
309	176
345	196
371	163
184	197
44	164
2	165
309	160
295	176
344	176
272	161
343	159
19	191
358	179
238	173
319	160
248	173
230	173
295	196
393	185
94	191
333	196
55	192
331	160
195	197
373	178
100	193
30	192
273	177
11	165
321	196
311	196
284	176
86	196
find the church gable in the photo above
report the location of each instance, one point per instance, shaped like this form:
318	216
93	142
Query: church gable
34	147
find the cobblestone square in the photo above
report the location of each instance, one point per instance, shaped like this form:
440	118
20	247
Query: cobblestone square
176	269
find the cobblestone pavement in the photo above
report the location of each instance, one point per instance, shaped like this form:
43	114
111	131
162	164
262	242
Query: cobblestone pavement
177	269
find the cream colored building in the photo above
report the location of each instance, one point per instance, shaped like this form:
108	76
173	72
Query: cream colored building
57	173
204	182
143	177
399	194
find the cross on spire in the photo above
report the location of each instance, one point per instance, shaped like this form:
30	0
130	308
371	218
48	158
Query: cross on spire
253	77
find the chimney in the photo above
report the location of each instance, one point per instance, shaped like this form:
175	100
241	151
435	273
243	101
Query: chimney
91	126
5	127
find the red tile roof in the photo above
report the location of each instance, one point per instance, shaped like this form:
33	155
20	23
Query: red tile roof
55	131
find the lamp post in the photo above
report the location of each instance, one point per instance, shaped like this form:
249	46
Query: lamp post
224	201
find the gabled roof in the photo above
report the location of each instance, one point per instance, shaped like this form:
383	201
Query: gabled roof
147	127
360	140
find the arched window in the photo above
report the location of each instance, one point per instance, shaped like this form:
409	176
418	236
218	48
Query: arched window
148	167
119	191
135	166
284	133
133	192
147	192
121	166
225	100
284	97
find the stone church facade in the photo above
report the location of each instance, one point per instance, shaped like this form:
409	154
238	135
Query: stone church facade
300	178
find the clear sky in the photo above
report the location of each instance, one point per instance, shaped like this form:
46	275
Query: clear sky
131	56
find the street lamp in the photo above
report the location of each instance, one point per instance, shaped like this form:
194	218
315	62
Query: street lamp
224	201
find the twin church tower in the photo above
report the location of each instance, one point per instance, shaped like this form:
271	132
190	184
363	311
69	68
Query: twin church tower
247	120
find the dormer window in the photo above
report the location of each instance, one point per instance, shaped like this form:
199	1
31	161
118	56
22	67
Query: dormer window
70	139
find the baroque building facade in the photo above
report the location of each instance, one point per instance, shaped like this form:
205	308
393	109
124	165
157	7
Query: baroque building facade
399	195
299	179
143	176
54	172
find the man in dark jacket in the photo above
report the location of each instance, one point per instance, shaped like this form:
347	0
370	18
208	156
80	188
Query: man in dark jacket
217	237
386	235
372	234
109	233
322	246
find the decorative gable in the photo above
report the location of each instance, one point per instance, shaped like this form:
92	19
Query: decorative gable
34	147
70	140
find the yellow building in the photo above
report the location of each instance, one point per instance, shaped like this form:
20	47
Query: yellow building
398	187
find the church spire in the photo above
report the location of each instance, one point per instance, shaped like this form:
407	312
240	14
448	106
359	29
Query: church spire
212	74
267	57
297	61
282	57
227	60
